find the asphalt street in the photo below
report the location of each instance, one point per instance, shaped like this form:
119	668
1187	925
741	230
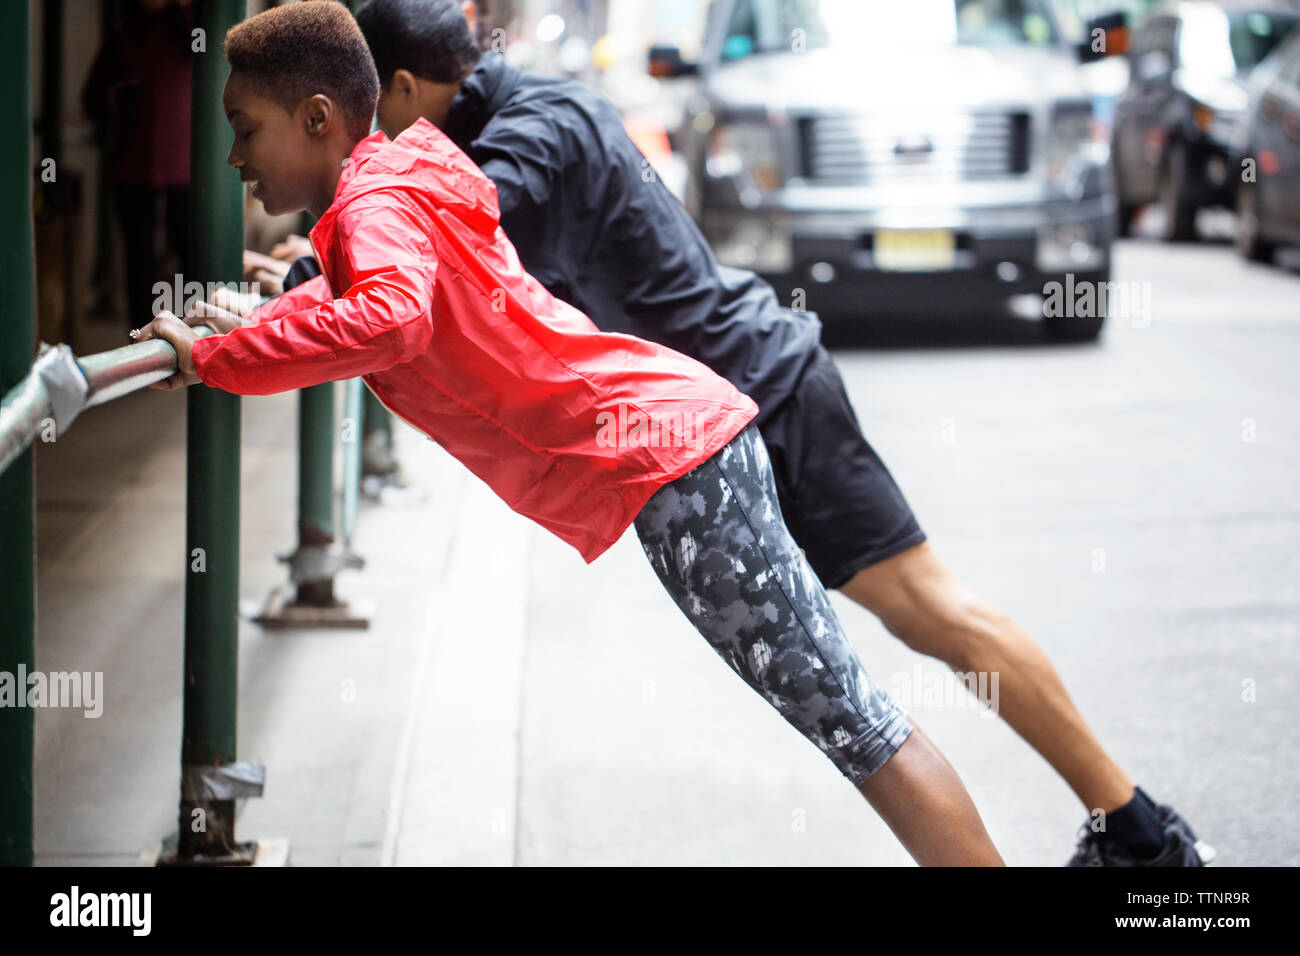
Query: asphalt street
1134	505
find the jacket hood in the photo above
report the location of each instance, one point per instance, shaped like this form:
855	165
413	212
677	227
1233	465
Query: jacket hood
418	161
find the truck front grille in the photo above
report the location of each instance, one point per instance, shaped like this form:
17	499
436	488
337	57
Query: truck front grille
903	148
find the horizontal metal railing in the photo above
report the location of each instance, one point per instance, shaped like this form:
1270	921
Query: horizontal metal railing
61	386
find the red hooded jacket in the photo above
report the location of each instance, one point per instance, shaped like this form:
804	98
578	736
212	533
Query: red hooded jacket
423	295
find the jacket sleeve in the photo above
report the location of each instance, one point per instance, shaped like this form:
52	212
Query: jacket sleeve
314	291
385	317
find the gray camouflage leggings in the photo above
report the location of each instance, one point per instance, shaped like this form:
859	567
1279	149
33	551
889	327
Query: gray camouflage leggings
716	540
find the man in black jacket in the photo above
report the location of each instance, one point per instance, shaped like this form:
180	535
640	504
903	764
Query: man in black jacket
594	227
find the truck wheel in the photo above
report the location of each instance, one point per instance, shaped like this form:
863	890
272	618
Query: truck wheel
1180	215
1249	241
1070	327
1125	212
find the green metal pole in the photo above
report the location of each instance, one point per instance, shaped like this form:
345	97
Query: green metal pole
316	483
354	412
207	827
17	483
377	418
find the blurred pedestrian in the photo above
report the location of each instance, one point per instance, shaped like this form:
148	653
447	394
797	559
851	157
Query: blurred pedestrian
138	94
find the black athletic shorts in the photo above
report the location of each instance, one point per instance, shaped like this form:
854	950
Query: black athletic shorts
838	498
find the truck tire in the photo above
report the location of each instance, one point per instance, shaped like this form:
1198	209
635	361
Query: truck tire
1250	243
1180	214
1125	211
1080	328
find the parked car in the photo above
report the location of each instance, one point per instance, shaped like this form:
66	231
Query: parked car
1268	197
933	153
1176	123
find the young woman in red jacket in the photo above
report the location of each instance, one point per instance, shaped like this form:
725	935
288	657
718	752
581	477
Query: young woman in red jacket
583	431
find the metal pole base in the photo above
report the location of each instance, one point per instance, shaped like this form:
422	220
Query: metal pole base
273	852
284	611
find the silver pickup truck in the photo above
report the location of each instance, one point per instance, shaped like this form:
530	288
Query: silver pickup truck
900	155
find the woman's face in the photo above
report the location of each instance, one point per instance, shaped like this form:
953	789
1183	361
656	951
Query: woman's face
273	148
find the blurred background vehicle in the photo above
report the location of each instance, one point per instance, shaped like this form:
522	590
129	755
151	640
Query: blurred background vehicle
925	155
1268	153
1176	124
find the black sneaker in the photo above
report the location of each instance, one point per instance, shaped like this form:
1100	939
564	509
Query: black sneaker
1171	818
1182	848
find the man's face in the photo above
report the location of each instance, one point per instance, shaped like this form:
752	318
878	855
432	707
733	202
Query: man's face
272	148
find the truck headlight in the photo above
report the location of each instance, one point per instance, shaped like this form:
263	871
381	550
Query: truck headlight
1217	104
1071	247
746	150
1071	148
760	244
1222	126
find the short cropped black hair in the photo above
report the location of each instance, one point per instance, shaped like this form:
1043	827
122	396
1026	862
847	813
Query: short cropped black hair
431	38
300	50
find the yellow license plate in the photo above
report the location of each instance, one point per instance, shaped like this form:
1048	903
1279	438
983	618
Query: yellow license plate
914	250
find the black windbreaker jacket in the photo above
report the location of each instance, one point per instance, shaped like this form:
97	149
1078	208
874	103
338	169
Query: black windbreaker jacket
598	231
